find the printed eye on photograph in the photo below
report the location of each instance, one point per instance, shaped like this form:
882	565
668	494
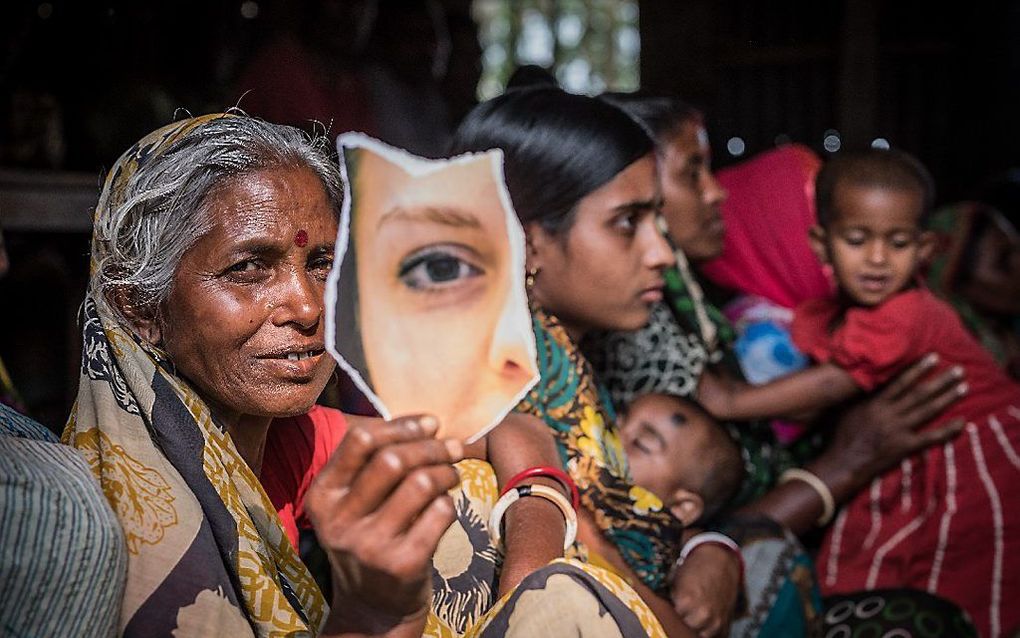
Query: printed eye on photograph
427	307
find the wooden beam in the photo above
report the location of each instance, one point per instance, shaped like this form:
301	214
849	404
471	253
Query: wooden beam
47	201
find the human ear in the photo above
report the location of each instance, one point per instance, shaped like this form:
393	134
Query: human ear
818	237
687	506
143	319
538	241
926	246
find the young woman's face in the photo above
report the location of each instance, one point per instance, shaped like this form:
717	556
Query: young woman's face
605	271
692	195
444	321
874	243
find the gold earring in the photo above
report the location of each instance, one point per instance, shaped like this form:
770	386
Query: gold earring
529	279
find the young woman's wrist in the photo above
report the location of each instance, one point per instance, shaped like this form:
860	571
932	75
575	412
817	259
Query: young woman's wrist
843	474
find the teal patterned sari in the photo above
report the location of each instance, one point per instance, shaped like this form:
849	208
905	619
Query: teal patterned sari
581	417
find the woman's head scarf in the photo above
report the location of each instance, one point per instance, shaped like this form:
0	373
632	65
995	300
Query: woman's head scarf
955	227
207	553
768	213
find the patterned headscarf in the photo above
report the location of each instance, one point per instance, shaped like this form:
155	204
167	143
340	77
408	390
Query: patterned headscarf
207	553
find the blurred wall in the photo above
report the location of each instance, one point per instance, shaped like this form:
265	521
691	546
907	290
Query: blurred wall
941	80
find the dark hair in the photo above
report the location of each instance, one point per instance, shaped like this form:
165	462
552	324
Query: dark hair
1002	192
557	148
662	117
722	471
874	168
530	76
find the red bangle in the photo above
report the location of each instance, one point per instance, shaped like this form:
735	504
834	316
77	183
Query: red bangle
547	472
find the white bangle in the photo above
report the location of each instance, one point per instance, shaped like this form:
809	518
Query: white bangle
818	485
549	494
707	537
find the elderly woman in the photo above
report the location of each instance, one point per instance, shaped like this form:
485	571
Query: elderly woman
203	358
213	237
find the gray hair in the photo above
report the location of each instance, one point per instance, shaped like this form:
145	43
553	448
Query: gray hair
161	211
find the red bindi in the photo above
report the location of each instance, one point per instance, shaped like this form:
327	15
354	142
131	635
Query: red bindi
301	238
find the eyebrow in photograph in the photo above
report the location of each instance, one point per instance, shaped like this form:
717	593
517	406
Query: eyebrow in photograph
444	215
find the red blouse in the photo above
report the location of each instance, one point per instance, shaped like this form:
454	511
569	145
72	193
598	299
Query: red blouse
945	520
874	344
297	448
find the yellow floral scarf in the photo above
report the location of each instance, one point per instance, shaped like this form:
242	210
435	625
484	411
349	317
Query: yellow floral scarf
207	553
580	414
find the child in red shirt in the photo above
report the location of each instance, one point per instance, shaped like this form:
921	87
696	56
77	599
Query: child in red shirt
943	521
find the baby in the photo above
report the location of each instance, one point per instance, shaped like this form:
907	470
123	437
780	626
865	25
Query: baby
680	453
676	450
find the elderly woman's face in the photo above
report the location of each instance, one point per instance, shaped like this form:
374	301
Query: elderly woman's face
244	320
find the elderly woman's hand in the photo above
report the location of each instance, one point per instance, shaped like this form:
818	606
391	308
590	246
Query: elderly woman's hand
379	508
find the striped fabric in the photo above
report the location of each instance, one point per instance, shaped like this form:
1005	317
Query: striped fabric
946	521
62	556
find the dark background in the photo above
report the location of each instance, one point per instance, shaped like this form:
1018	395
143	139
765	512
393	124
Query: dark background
83	80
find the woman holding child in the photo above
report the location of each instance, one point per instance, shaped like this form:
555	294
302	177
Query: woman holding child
669	125
203	359
574	294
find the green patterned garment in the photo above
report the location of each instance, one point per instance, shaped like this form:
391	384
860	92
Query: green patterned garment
567	398
764	458
684	334
953	227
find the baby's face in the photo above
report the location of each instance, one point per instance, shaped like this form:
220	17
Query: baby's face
662	436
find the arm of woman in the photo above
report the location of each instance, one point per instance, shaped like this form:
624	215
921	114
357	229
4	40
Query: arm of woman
534	527
668	617
808	391
379	508
870	436
706	589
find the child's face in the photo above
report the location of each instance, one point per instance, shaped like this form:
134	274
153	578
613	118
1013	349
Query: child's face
874	243
662	437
